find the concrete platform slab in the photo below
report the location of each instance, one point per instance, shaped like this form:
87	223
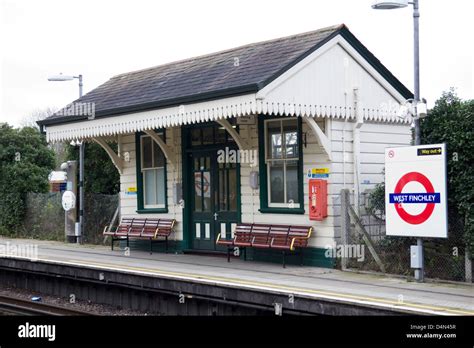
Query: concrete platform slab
348	287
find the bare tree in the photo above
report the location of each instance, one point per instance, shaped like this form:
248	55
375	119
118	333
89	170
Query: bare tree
40	114
37	115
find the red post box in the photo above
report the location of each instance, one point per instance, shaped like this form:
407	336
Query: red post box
318	199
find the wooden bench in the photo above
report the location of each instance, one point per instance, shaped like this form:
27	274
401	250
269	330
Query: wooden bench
286	238
142	228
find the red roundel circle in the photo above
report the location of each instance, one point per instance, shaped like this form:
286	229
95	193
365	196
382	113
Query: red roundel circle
426	213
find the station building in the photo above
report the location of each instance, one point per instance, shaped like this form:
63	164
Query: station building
235	136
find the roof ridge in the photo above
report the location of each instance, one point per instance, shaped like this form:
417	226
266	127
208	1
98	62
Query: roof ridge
321	30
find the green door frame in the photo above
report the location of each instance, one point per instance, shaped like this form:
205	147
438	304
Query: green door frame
186	169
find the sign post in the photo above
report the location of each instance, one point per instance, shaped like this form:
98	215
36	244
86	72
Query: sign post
69	202
416	196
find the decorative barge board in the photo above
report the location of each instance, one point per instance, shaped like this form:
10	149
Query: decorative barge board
317	102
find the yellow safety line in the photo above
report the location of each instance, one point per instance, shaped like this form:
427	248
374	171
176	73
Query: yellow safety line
279	287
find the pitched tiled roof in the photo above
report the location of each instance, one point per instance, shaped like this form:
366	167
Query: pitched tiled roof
235	71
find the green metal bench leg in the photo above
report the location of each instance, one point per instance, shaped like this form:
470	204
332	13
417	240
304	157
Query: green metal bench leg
301	256
284	264
245	254
151	246
228	253
112	244
166	245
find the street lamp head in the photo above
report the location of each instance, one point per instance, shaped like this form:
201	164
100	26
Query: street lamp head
389	5
60	77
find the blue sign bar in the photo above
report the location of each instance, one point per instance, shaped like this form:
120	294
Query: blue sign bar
415	197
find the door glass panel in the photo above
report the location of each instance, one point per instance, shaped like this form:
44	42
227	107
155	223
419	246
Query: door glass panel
232	188
196	137
197	191
220	135
223	202
208	135
206	190
277	182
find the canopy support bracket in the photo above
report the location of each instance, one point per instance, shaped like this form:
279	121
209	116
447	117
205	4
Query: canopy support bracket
167	150
116	159
243	145
322	139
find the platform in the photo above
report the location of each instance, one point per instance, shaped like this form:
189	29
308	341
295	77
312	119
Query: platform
329	285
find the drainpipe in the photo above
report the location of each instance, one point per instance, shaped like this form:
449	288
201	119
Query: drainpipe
346	83
344	145
356	149
79	238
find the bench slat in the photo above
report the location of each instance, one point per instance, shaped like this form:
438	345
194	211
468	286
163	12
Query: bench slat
258	235
145	228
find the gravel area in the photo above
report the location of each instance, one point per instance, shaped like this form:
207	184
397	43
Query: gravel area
81	305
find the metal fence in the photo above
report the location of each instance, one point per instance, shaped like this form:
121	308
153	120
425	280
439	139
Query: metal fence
363	227
44	217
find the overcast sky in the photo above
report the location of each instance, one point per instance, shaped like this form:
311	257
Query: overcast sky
100	39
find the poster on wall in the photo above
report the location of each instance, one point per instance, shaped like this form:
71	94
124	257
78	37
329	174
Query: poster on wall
202	184
317	173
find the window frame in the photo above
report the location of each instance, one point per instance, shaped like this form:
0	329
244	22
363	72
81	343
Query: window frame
141	207
265	205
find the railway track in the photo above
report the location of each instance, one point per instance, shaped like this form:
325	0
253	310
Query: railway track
16	306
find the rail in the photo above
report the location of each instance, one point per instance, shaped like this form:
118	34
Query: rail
19	306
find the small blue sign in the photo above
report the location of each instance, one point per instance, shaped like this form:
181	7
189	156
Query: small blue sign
319	176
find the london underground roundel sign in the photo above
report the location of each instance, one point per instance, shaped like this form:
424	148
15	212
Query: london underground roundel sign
68	200
415	181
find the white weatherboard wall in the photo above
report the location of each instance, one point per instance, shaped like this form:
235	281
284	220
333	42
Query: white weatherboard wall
128	203
329	76
374	138
313	155
250	199
337	75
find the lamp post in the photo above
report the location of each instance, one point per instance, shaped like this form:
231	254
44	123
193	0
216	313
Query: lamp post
62	77
395	4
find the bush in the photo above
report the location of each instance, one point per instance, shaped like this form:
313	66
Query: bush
25	162
100	174
451	121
